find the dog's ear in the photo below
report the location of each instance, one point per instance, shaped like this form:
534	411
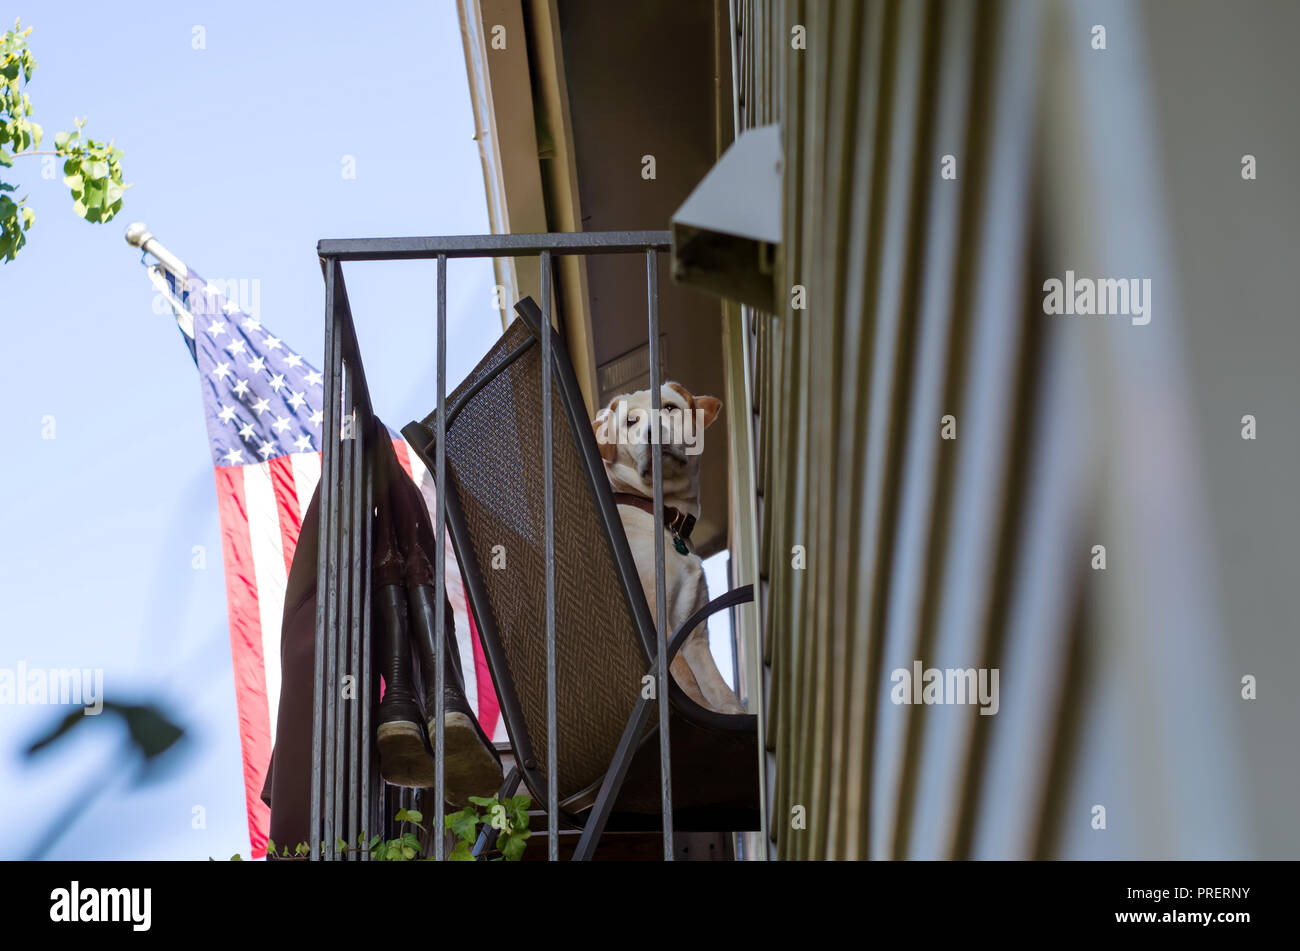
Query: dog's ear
685	393
604	438
711	406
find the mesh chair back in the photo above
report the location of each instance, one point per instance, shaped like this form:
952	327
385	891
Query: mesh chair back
495	508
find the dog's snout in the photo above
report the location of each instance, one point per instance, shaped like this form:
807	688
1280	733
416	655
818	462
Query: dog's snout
669	427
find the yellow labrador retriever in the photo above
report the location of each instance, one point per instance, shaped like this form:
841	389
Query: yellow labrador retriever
624	431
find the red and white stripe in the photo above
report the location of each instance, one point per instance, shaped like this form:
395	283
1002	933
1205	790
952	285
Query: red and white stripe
261	508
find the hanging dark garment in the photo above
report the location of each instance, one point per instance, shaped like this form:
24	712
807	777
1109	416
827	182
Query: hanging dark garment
403	603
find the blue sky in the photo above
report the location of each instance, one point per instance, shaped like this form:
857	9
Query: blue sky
236	154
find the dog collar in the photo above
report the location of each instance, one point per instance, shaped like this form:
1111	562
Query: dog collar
676	521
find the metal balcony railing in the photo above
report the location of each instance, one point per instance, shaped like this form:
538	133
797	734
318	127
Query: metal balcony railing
348	797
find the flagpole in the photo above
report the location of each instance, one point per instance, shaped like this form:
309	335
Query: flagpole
138	236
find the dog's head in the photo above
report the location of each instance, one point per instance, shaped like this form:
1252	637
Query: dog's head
625	432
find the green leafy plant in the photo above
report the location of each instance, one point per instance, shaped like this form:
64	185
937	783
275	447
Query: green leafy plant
405	847
509	817
92	170
301	851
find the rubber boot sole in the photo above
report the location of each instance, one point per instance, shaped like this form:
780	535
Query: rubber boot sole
404	759
471	768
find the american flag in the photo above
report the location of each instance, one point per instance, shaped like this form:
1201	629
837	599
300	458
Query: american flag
263	406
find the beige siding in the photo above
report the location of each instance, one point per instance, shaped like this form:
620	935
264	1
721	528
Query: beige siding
1117	688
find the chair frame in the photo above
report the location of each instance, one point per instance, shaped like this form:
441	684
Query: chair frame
421	437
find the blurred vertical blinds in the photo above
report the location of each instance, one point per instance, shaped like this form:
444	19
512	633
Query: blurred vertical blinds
922	299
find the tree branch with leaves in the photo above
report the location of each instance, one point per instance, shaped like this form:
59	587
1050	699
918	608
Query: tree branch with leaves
92	170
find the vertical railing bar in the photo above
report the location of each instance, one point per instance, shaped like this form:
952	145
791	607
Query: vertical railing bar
364	757
330	502
345	723
661	605
322	561
378	808
357	610
733	623
439	560
548	476
344	527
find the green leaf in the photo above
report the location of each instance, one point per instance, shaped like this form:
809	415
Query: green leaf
236	858
513	850
414	815
464	824
461	853
517	810
480	801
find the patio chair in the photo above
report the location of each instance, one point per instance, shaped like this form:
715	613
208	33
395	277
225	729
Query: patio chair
607	746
